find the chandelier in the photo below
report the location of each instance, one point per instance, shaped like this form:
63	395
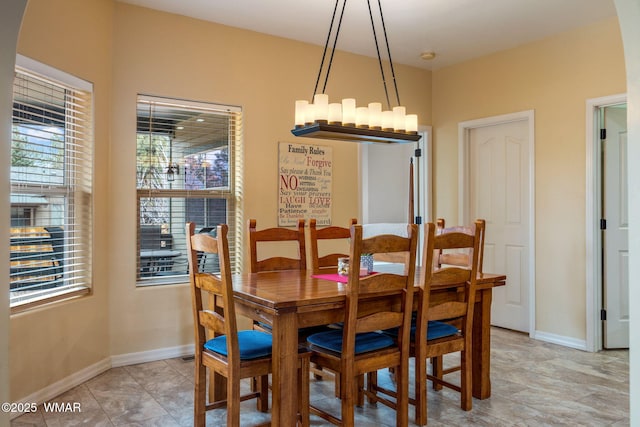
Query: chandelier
346	120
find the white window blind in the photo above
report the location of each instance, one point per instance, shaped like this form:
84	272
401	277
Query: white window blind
188	164
51	185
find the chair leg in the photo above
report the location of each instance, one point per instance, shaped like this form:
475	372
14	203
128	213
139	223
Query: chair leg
348	400
436	368
372	383
233	402
200	395
465	381
360	390
262	385
421	391
402	402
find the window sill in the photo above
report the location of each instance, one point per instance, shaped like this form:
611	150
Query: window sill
180	279
40	299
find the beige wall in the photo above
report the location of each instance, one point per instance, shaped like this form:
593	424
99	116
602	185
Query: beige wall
53	342
554	77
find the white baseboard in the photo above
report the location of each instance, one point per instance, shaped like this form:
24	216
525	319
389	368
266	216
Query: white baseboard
561	340
65	384
77	378
152	355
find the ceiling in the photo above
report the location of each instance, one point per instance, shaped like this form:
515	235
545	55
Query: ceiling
456	30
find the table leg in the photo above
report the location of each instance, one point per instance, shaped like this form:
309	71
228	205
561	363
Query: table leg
481	359
284	411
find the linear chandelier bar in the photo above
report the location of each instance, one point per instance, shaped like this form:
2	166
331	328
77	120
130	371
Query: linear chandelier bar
353	134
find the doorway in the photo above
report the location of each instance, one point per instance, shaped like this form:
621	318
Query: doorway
497	184
385	182
607	224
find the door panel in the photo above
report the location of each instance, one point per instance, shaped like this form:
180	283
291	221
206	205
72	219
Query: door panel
499	193
615	237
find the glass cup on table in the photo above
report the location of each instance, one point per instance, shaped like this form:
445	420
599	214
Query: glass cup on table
343	266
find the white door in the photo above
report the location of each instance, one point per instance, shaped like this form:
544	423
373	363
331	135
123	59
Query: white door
499	193
615	237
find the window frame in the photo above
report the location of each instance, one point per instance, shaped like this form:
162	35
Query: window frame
77	191
230	192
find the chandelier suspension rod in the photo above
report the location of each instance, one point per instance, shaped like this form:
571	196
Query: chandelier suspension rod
326	45
375	39
386	40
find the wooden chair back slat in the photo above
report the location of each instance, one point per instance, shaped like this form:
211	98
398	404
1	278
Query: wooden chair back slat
209	283
203	243
212	321
450	276
379	321
277	234
447	311
385	243
382	283
277	263
454	240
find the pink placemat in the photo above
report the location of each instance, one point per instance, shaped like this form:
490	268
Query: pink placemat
335	277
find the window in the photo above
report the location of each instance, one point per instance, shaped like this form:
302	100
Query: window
188	161
51	185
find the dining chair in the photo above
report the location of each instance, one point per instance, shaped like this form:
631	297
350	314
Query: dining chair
359	347
461	258
326	261
433	333
277	234
220	347
325	234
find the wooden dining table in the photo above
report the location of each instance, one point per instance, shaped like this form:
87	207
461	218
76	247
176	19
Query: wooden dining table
290	300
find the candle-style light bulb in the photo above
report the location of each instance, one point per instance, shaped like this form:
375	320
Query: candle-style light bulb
411	123
349	112
362	117
375	115
321	107
398	118
301	109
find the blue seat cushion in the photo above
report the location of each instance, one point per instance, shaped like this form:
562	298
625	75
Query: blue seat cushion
252	344
369	341
435	330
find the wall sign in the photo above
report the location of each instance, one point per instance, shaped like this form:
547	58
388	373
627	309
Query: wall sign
304	183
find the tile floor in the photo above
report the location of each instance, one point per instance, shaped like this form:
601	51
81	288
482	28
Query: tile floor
533	384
